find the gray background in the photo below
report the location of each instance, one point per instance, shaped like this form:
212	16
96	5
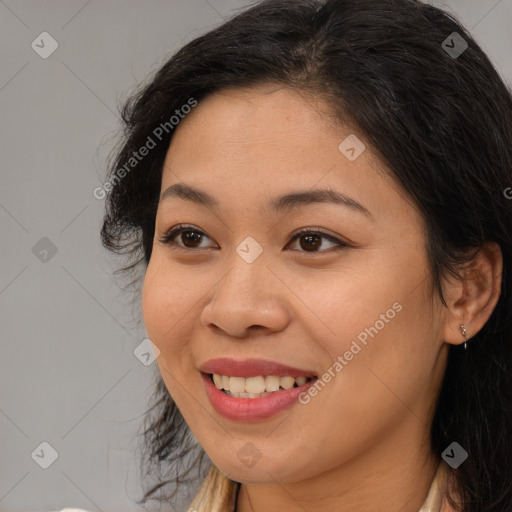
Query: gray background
68	373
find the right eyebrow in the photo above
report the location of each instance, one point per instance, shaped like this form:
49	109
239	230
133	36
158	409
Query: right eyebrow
293	200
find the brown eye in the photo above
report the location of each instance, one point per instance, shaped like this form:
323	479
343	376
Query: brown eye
311	240
188	237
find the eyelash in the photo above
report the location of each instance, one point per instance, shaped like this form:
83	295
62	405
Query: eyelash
168	238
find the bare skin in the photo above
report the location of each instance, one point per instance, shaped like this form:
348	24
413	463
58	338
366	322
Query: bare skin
362	442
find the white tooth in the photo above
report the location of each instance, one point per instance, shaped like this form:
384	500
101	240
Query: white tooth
286	382
272	382
300	381
237	384
247	395
255	384
217	379
225	382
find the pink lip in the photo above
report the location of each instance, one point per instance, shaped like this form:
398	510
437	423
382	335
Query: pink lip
251	368
252	409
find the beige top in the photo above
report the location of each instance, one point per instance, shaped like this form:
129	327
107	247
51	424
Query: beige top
219	494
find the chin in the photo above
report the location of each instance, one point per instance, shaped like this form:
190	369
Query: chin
261	470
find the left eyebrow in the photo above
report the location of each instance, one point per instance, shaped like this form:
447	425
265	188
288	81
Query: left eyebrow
293	200
302	198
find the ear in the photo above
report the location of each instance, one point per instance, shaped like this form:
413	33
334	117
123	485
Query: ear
471	301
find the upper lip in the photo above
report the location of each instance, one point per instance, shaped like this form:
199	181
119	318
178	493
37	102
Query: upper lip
251	368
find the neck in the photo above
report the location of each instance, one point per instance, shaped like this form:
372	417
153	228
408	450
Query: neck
391	476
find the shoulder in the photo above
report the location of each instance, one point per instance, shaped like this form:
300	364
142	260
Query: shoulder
68	509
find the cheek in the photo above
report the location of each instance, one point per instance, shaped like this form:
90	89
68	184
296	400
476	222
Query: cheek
378	327
164	309
340	306
154	303
165	301
387	362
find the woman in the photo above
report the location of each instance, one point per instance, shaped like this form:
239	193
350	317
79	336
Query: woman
318	194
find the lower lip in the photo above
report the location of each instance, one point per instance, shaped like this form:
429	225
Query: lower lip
252	409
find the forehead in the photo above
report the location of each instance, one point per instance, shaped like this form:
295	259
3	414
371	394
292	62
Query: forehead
269	130
255	115
246	145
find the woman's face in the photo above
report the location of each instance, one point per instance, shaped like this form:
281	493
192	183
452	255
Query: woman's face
349	308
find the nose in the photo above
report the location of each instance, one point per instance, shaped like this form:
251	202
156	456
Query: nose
250	297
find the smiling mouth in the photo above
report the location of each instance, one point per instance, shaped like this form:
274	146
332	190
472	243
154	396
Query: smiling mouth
258	386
